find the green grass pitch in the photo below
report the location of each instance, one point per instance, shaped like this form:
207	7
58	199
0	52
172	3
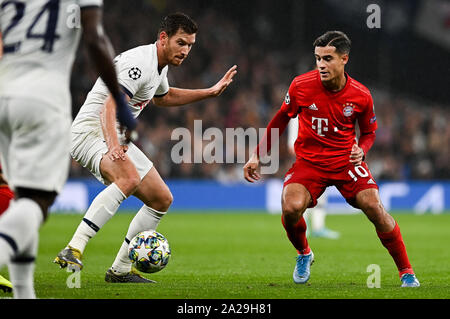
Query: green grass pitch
222	255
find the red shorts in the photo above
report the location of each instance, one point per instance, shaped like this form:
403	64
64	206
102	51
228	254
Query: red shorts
6	195
349	181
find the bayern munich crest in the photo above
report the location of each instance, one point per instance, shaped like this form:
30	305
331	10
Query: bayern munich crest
134	73
348	109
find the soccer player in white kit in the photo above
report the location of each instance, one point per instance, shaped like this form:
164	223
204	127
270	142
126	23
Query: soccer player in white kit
96	142
39	41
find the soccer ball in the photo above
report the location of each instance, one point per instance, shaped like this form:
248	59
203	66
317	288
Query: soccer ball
149	251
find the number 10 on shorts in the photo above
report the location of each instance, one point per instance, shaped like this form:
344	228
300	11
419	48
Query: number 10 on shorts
359	170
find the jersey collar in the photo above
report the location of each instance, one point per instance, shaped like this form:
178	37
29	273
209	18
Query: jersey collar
347	84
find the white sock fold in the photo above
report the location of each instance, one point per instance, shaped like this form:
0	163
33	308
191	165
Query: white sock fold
102	208
146	218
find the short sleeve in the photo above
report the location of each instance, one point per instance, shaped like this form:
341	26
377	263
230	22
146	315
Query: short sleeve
90	3
290	105
163	88
130	74
368	120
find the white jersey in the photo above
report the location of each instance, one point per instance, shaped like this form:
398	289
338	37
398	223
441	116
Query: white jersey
140	78
40	39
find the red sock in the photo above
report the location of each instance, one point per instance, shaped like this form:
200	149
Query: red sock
297	235
6	195
393	242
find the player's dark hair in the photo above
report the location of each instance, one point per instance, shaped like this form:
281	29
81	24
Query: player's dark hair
337	39
175	21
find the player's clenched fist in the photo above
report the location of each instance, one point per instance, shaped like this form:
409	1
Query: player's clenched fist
250	169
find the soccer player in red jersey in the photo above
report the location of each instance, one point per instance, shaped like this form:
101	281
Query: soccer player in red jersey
329	104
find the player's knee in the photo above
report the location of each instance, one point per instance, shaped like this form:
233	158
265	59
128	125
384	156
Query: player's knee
294	209
373	207
375	212
164	201
168	199
129	183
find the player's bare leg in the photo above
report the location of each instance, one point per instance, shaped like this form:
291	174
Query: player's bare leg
389	233
154	192
295	199
369	202
157	198
124	179
121	172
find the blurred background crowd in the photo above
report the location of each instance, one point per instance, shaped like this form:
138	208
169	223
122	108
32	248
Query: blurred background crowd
405	64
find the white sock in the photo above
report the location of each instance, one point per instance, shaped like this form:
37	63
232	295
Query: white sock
22	278
21	272
146	218
19	229
6	252
102	208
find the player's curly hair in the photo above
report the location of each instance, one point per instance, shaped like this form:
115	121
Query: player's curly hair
337	39
175	21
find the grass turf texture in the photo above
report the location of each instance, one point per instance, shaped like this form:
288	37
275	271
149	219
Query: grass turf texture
248	256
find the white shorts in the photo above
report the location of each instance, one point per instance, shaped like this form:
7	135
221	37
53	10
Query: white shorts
34	144
89	147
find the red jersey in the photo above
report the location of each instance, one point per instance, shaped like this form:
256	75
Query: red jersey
327	120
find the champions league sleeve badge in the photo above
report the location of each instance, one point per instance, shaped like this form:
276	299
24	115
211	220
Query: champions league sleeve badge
134	73
287	99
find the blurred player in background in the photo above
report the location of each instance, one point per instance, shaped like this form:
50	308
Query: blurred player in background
125	169
314	217
40	39
328	103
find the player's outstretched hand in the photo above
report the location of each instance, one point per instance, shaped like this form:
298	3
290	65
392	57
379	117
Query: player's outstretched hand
251	169
356	155
220	86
